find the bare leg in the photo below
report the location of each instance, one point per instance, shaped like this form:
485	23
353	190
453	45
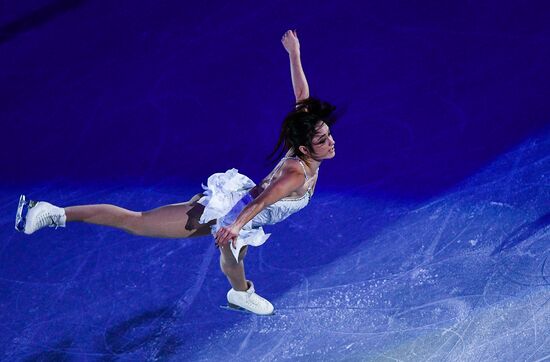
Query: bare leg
234	271
171	221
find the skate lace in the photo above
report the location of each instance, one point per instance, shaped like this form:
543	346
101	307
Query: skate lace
48	220
254	299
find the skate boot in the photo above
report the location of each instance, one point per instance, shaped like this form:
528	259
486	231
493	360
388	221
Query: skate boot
249	301
33	215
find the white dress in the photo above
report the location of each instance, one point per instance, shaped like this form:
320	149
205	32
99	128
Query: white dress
226	195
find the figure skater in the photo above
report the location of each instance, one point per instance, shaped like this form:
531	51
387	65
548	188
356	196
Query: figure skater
232	207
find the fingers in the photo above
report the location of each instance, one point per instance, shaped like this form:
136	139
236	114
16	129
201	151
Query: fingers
290	33
232	241
285	35
224	236
220	237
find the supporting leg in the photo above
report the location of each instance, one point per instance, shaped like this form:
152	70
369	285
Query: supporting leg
234	271
242	295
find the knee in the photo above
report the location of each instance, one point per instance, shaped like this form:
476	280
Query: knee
133	222
228	264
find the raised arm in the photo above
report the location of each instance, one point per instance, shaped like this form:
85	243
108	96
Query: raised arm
299	82
292	177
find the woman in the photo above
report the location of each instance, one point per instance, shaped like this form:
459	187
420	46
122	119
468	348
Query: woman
232	207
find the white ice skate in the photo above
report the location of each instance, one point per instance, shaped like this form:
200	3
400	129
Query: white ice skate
248	301
33	215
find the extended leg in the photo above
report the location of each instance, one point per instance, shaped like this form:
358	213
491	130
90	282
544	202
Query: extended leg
171	221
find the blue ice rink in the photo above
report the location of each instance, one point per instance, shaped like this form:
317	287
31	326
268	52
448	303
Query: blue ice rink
427	238
463	276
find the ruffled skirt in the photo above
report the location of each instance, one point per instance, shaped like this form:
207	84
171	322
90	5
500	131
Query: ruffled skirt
225	196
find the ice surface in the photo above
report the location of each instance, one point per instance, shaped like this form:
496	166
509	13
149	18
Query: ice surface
463	276
427	238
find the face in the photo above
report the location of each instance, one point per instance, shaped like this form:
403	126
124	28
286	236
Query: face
323	143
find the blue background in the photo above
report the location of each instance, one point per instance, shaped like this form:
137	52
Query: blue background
428	234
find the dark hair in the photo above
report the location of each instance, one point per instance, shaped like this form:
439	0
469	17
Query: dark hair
316	106
299	126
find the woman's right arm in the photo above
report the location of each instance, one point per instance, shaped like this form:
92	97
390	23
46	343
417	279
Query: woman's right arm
299	82
292	178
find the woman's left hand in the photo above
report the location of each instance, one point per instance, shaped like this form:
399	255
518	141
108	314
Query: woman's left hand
227	234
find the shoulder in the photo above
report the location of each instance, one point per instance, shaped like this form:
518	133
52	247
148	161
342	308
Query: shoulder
293	165
293	168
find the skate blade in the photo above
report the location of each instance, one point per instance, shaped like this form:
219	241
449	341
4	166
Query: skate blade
21	215
236	308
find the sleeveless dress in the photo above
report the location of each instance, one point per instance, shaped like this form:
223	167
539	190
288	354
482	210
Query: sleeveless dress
226	195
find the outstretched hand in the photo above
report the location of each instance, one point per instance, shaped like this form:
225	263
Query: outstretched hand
290	41
226	235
